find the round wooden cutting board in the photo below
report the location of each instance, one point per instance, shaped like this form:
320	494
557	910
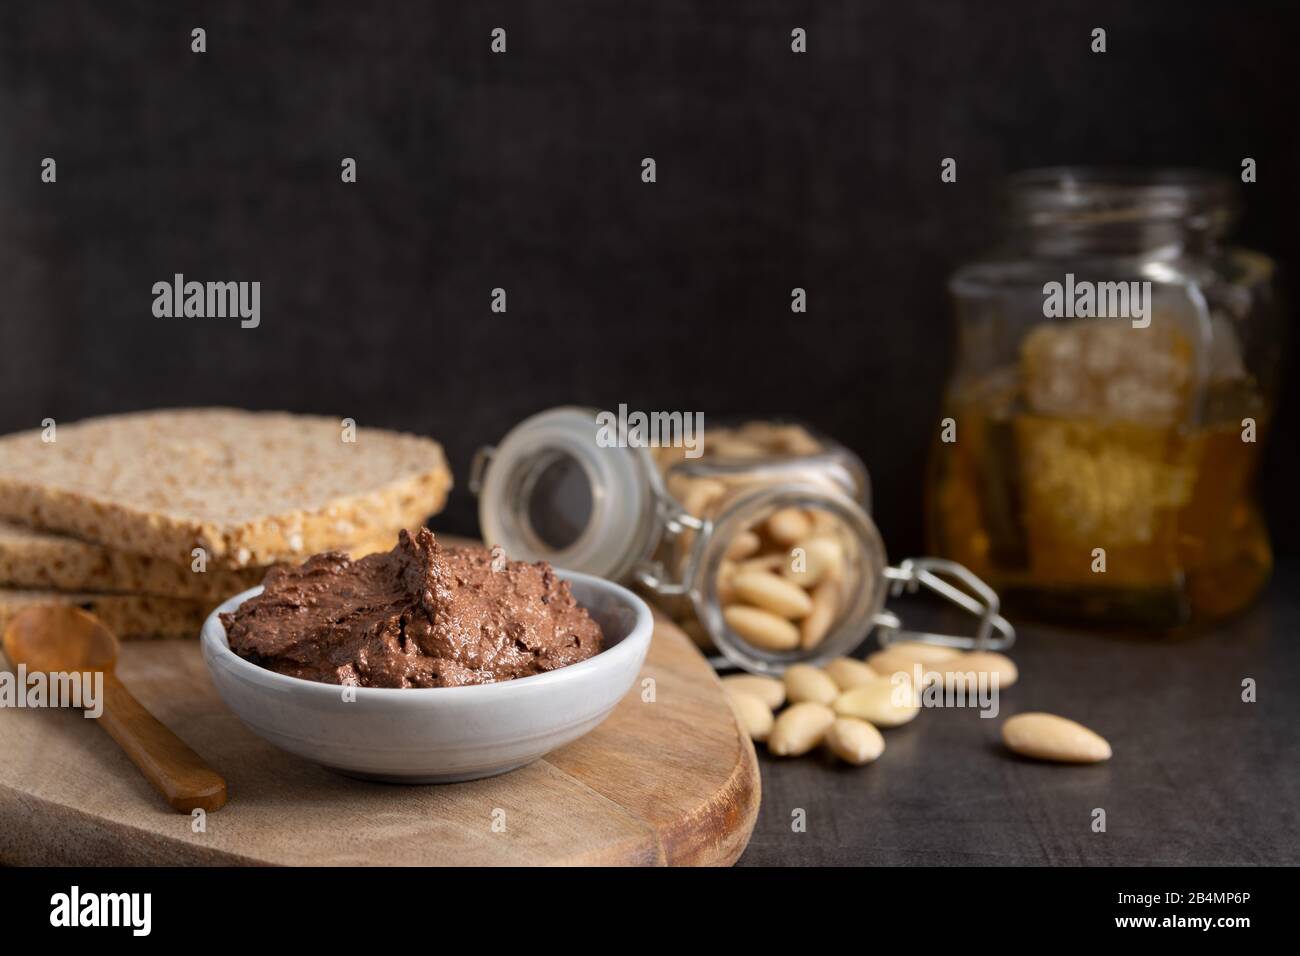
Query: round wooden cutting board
667	780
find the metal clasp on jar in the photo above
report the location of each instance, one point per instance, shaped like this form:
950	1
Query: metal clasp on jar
915	573
676	521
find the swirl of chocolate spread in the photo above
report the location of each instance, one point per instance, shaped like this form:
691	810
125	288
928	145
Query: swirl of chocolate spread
419	616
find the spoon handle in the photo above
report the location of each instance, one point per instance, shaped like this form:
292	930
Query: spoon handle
166	761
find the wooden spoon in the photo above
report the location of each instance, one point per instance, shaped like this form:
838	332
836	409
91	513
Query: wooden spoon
67	639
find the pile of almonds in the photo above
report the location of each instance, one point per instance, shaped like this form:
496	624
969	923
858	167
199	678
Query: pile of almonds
774	607
845	705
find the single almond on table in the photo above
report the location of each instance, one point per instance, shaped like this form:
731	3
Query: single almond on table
906	656
966	666
848	672
805	682
767	689
918	650
800	728
754	716
881	702
1049	737
854	740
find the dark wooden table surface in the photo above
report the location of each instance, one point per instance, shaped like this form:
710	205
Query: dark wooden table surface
1198	776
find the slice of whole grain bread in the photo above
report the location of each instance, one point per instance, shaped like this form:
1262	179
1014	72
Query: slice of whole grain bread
251	488
42	560
132	617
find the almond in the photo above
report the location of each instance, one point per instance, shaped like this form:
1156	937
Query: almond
881	702
799	729
822	559
772	593
970	667
906	656
761	628
1049	737
788	525
805	682
743	545
849	673
767	689
825	606
854	740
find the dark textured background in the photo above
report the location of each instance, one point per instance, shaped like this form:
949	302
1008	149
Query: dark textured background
522	171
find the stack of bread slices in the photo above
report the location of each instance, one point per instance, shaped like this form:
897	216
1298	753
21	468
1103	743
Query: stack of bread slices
151	519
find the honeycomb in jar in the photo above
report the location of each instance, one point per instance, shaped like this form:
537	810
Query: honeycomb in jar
1099	446
1087	485
1107	370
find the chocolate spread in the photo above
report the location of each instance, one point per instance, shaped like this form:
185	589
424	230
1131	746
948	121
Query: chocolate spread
420	615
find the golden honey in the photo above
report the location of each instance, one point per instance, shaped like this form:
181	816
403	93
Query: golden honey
1148	524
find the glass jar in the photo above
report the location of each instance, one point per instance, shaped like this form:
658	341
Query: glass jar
758	541
1115	369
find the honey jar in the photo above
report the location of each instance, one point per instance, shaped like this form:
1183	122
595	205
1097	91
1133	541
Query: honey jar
757	540
1113	387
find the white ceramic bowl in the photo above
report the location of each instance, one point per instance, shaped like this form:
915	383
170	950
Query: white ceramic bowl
438	734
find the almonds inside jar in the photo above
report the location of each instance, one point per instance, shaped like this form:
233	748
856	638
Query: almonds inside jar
787	573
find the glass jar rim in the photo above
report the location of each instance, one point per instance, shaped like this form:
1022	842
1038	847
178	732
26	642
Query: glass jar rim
623	485
1101	196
